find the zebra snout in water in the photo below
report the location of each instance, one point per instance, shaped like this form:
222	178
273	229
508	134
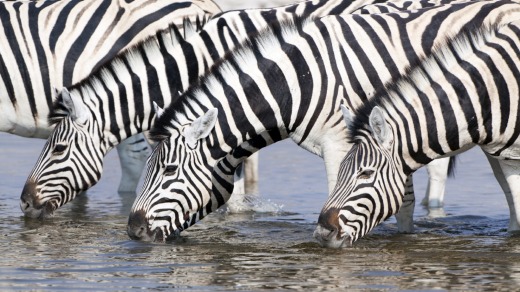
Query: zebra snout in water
138	228
31	205
328	230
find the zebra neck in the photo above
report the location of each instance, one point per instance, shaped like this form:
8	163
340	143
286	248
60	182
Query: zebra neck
121	94
458	98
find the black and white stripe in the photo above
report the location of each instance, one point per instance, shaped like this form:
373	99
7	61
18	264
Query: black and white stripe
117	101
46	45
288	82
466	93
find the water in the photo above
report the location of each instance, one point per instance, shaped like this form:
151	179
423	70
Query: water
85	246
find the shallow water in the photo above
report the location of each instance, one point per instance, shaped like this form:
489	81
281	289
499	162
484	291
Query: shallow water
85	246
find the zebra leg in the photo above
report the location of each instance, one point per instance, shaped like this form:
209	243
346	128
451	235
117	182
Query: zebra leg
405	215
133	153
437	172
251	169
237	199
507	174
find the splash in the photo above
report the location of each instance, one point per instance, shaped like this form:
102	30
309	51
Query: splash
251	203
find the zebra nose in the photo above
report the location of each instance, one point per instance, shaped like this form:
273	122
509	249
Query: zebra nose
327	231
137	227
28	199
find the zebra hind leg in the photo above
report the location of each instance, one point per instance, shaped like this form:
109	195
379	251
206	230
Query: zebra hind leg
405	215
133	153
507	173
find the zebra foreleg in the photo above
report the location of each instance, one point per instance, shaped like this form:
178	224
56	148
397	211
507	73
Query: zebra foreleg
405	215
237	199
437	172
251	173
133	153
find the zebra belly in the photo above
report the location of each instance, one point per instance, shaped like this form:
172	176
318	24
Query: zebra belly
19	120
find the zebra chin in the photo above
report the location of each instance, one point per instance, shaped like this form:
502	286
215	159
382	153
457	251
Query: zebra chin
31	205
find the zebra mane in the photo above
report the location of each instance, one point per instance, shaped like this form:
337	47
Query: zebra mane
161	41
255	45
446	52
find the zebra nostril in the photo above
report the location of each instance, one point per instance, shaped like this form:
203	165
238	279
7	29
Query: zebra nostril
140	232
28	201
329	220
323	234
24	205
328	230
137	227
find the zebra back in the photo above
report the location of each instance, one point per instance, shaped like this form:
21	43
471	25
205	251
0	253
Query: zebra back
50	44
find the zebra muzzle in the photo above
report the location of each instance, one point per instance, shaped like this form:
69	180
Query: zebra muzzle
32	207
328	232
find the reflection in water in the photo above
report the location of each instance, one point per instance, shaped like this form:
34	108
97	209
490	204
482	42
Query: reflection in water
229	251
85	245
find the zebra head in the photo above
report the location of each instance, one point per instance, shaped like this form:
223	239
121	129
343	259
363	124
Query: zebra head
178	180
64	169
369	188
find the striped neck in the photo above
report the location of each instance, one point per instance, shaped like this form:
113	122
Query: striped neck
120	95
165	65
258	92
456	98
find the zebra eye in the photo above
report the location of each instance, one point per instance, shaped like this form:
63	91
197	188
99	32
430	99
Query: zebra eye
170	170
59	149
365	174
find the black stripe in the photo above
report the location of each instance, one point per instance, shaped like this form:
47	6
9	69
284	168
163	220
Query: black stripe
79	44
40	54
128	36
19	58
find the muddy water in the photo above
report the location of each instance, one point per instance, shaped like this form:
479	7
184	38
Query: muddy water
270	247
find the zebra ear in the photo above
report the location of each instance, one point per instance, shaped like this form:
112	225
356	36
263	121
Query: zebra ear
78	111
348	117
200	128
380	128
159	111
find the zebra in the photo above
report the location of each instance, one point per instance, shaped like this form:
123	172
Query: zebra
101	111
288	82
51	44
465	93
